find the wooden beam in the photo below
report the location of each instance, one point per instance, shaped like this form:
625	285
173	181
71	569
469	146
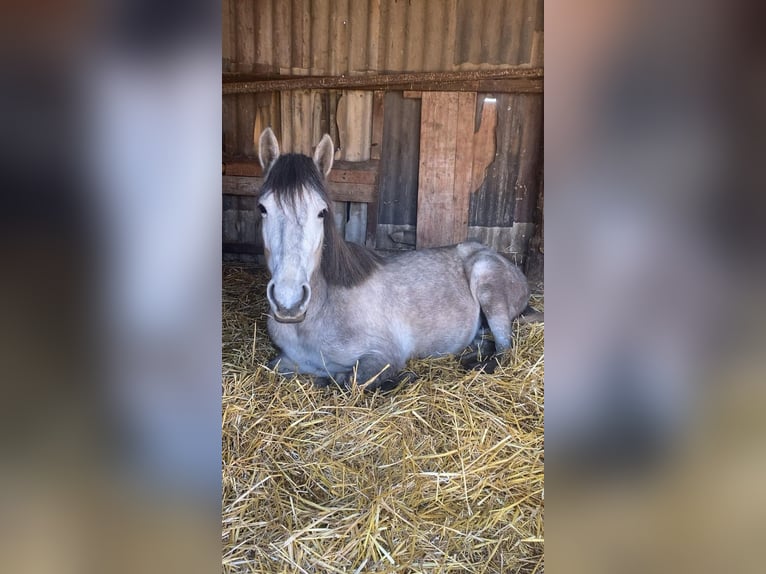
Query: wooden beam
517	79
464	154
339	191
364	172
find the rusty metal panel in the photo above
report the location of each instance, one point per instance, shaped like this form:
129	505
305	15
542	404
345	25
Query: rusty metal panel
510	188
399	161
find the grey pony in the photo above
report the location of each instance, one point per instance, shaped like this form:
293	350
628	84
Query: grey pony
346	314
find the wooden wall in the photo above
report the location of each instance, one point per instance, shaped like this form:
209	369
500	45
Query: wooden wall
498	175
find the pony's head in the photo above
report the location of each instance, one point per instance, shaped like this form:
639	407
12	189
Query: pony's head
295	213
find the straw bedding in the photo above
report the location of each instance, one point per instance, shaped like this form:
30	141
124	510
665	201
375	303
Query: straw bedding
442	475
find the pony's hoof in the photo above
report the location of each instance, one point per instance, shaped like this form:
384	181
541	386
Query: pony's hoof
388	385
322	382
276	364
282	366
328	382
477	362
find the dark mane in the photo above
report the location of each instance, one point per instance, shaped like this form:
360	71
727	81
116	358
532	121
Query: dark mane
345	264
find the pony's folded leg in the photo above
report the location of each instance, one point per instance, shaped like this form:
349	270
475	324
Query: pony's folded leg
282	365
480	353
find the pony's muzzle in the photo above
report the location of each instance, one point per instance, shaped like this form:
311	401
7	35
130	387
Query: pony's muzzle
288	313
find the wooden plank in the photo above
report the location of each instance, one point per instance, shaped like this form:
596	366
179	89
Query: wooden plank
516	78
356	192
364	172
372	222
436	174
376	145
464	156
484	144
339	210
356	223
378	99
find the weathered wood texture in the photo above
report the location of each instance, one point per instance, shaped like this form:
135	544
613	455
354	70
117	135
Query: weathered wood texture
453	159
398	188
349	181
437	190
507	196
318	51
513	80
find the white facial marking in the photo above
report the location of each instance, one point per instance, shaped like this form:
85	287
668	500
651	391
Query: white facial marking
293	242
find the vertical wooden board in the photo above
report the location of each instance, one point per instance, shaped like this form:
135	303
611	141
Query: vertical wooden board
354	121
438	133
354	118
399	161
339	210
483	142
464	153
297	112
229	220
229	124
371	226
511	181
378	100
356	225
246	107
529	170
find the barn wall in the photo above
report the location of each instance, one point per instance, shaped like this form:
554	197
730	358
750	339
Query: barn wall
333	37
276	38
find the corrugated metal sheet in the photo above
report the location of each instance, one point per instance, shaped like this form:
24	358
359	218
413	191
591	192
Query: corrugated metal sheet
332	37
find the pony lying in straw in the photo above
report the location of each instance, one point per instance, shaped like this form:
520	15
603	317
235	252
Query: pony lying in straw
342	312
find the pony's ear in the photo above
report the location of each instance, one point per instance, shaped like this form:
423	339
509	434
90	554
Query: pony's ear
268	149
324	154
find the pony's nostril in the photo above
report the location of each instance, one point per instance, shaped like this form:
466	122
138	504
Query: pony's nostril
270	294
306	295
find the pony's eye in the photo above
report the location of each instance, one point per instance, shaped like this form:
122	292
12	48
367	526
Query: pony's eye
322	214
262	209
